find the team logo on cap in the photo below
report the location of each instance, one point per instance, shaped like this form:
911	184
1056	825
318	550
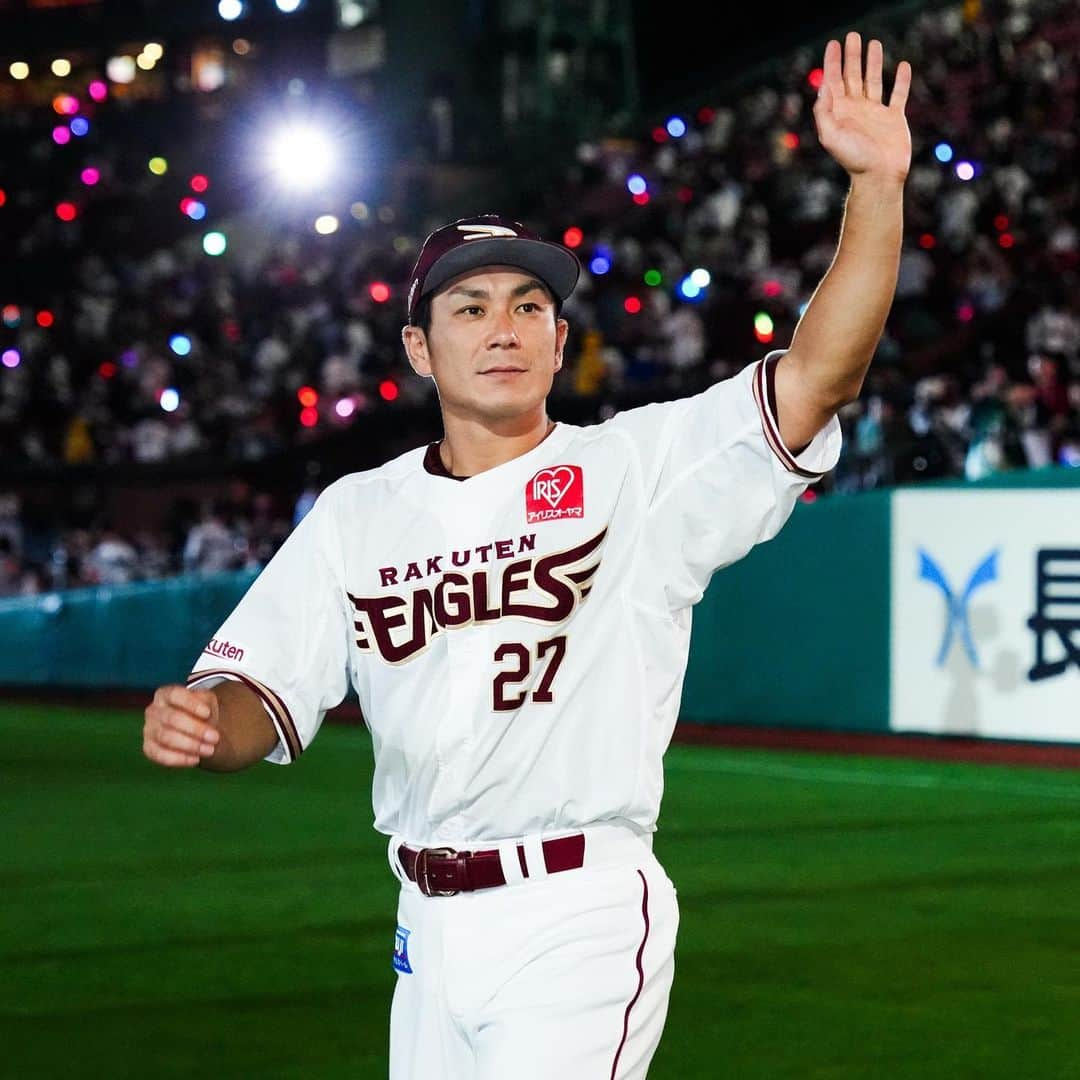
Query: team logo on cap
555	492
475	232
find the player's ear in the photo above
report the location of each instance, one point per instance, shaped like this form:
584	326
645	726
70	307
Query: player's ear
416	349
562	329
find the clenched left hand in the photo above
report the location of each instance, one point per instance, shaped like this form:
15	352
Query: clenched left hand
861	132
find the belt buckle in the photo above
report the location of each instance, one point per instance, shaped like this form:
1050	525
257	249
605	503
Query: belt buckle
422	882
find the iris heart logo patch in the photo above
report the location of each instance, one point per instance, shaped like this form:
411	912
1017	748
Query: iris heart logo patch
555	492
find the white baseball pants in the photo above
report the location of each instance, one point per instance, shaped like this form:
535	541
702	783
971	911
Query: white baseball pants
555	977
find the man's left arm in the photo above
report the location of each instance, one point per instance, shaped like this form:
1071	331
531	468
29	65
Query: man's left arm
835	339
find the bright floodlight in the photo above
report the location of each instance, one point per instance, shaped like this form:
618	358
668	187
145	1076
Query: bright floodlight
230	9
287	6
301	157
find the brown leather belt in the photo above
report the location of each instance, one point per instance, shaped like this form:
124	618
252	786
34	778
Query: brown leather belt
446	872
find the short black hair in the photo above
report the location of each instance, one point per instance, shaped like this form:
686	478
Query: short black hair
422	315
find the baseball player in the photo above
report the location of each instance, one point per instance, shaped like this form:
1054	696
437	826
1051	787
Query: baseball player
512	608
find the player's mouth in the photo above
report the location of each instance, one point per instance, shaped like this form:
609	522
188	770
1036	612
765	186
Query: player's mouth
503	369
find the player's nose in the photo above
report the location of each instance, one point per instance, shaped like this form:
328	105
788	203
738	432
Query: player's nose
503	333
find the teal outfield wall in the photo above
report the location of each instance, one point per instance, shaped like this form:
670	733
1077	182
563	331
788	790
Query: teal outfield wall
130	637
796	634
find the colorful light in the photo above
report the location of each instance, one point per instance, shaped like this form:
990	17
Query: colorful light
180	344
345	408
169	399
790	140
11	358
701	277
3	196
1006	240
120	69
772	287
927	241
106	369
964	170
154	50
19	70
158	166
943	152
79	126
572	237
144	62
65	105
379	291
965	312
642	198
90	176
653	278
676	127
600	264
66	211
199	183
195	209
309	417
763	324
688	290
1001	222
214	243
706	114
325	224
45	318
308	396
631	305
388	390
815	78
11	316
660	134
98	90
230	9
61	135
635	184
60	67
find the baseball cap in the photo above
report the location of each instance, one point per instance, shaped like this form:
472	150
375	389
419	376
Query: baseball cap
488	240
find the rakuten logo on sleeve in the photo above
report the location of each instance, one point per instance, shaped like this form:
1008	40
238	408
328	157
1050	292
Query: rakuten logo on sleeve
555	492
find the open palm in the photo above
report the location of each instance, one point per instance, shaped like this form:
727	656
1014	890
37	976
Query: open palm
861	132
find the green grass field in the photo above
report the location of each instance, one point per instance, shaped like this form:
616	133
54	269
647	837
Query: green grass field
842	917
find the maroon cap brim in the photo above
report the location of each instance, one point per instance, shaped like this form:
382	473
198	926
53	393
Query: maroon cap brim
556	266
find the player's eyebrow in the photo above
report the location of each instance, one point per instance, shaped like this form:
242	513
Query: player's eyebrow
483	294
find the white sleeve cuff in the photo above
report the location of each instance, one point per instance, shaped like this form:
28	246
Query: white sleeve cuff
824	450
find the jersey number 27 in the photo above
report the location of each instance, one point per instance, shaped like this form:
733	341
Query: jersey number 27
549	654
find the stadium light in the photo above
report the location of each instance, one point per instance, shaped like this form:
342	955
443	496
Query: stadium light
287	6
230	9
301	157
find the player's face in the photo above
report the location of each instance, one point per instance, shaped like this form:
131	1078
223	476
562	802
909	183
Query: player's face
493	346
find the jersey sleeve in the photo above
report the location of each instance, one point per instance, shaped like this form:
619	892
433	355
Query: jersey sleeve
287	638
717	476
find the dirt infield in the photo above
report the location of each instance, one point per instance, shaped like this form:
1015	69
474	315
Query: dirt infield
926	747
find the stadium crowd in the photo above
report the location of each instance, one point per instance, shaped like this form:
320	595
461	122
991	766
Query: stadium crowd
125	341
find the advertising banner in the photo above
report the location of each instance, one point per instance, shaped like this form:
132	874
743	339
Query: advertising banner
985	613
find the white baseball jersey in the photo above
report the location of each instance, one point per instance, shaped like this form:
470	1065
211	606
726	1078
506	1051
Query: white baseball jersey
517	640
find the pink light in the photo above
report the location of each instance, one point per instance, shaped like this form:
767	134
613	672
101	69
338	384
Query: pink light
61	134
966	311
90	176
98	90
345	408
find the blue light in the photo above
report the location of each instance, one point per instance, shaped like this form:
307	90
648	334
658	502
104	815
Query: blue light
636	184
676	126
600	265
196	210
689	289
943	152
180	344
79	126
